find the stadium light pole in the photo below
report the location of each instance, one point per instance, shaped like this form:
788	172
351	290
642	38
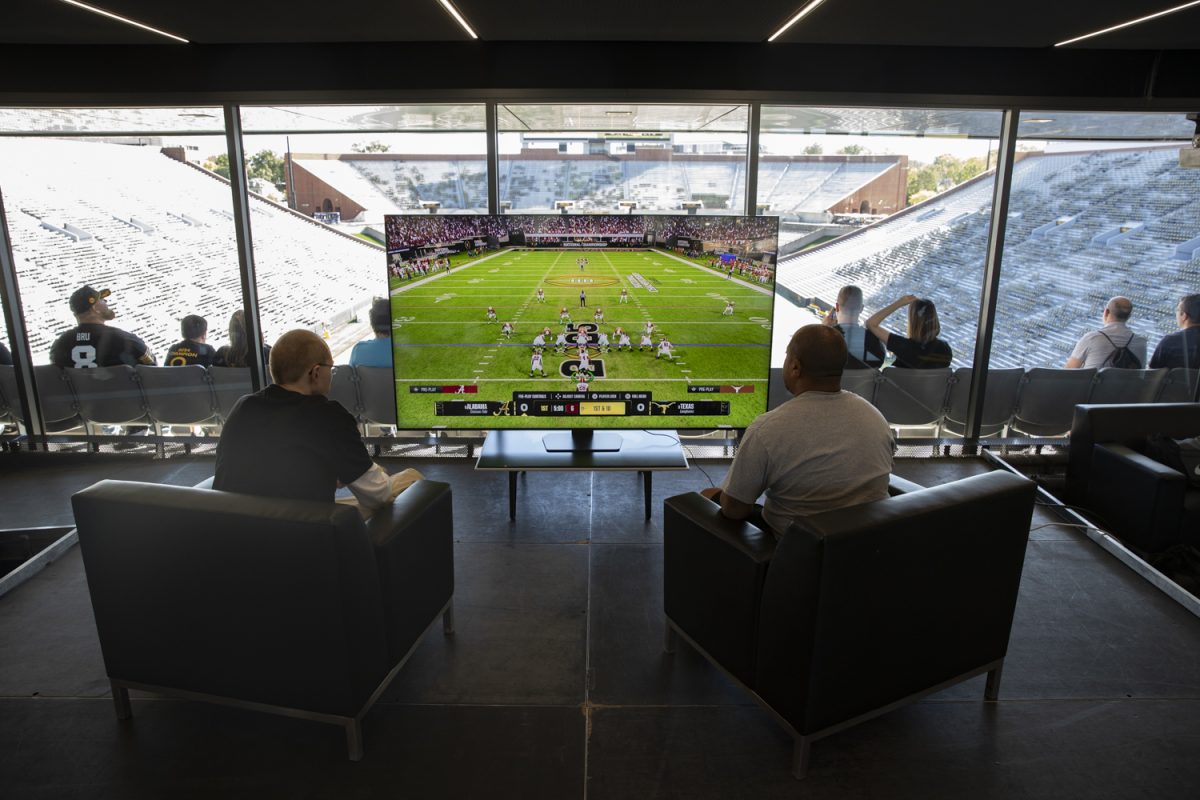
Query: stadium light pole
18	339
1001	187
245	245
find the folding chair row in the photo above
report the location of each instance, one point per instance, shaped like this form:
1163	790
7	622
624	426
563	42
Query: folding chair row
1034	402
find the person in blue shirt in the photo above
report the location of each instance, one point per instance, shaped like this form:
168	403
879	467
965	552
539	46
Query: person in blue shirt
376	352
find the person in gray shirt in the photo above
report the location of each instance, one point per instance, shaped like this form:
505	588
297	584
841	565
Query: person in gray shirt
1097	348
824	449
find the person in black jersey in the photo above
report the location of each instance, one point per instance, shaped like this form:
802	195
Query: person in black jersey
234	354
921	349
92	343
290	440
193	349
1181	348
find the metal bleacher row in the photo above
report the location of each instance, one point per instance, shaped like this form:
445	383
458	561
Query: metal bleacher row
1038	402
83	400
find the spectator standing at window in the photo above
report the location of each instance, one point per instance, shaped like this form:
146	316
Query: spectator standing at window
376	352
921	348
92	343
193	349
235	353
863	348
1182	348
1099	348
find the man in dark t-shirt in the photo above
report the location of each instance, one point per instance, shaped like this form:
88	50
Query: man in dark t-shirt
193	349
290	440
92	343
5	355
1181	348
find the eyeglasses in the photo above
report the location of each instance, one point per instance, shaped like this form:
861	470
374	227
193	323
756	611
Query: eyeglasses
318	365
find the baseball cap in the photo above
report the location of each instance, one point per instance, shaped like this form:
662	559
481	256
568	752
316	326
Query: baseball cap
85	297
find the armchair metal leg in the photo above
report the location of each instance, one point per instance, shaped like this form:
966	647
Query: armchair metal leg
992	689
121	701
448	621
354	744
671	640
800	753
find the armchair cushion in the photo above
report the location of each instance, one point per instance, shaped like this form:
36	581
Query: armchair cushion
1136	497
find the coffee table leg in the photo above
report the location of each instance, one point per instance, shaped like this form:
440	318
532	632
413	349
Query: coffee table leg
646	477
512	494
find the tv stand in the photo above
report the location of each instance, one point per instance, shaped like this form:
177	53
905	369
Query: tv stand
518	451
582	441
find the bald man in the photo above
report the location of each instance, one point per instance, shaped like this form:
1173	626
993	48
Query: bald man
1098	348
824	449
290	440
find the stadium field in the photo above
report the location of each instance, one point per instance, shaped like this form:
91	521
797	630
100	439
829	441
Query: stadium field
443	338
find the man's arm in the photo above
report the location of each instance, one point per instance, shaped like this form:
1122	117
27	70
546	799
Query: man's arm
730	506
372	489
1074	363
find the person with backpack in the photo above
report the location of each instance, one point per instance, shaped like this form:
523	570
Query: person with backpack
1113	345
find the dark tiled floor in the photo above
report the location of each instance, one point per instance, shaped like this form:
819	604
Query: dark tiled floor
555	684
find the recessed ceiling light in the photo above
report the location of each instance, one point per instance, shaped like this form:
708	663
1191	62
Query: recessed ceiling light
1131	22
801	14
1036	121
452	11
126	20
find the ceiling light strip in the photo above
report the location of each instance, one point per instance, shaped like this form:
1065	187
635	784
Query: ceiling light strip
126	20
801	14
1131	22
452	11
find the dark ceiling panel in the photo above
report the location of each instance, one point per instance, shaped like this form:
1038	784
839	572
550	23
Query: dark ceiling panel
947	23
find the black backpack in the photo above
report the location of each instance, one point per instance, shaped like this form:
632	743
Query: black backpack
1121	357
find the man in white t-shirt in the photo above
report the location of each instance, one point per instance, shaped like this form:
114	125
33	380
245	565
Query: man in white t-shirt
822	450
1098	348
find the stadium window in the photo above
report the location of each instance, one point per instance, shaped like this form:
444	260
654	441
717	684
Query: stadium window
345	167
1100	208
659	156
895	202
119	199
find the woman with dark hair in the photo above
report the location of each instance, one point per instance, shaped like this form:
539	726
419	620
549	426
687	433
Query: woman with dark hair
921	349
234	354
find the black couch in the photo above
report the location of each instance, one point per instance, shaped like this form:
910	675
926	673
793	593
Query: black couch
1142	502
856	611
292	607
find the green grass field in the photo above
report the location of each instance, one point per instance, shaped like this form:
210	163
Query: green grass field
443	336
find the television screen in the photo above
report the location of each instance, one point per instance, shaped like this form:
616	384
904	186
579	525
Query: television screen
555	321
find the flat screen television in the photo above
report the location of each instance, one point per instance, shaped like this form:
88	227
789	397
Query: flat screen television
580	322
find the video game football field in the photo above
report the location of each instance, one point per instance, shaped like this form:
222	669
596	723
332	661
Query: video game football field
457	367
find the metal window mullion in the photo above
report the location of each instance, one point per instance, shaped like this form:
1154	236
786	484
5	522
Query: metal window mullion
18	339
755	117
493	158
1001	190
241	223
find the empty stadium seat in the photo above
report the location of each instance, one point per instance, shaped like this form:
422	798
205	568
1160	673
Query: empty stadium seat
1114	385
178	395
59	412
109	395
1000	398
229	384
861	382
344	388
377	389
1046	403
1180	386
908	397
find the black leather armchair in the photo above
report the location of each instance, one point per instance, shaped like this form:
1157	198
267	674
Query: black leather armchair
295	608
1143	503
852	612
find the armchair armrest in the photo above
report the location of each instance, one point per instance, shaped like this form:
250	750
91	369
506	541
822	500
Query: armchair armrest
898	485
413	540
1139	499
713	573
